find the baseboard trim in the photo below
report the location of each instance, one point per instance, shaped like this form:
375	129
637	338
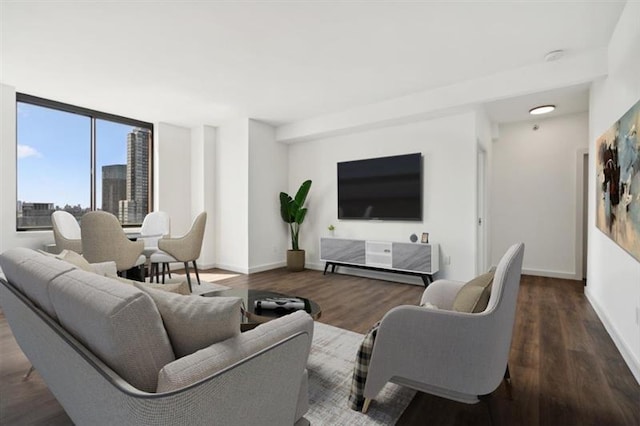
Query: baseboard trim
551	274
632	362
232	268
267	267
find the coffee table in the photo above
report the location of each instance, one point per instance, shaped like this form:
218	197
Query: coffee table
252	317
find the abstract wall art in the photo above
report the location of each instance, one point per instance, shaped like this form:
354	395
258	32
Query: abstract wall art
618	182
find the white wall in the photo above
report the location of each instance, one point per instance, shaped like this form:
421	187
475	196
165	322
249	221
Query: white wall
172	175
268	172
448	147
203	146
232	196
534	193
613	276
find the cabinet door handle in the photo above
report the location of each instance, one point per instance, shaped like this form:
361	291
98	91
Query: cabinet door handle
387	251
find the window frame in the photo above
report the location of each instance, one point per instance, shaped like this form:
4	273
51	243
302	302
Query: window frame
93	115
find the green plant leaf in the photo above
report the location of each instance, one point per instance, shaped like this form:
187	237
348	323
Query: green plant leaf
301	195
285	210
293	212
300	215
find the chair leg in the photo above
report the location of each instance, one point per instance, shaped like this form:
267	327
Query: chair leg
168	269
163	272
365	406
28	374
196	268
186	270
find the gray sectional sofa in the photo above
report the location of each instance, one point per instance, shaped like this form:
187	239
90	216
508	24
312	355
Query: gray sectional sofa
113	353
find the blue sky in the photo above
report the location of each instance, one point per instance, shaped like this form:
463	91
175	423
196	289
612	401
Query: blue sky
54	155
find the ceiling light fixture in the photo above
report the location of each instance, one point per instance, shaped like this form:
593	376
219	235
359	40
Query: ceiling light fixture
543	109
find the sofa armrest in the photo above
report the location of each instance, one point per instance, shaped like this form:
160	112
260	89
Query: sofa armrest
205	362
106	269
441	293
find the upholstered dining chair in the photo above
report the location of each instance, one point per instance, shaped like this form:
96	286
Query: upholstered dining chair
66	231
103	239
183	249
455	355
155	226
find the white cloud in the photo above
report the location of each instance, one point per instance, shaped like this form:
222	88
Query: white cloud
25	151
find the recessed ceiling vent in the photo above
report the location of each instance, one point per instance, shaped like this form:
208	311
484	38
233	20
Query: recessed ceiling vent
554	55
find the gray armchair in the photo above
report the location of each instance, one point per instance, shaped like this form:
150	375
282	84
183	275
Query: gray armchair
455	355
103	239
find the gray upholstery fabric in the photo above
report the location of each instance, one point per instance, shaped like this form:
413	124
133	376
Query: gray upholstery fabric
103	239
35	275
92	394
186	248
192	368
194	322
451	354
119	323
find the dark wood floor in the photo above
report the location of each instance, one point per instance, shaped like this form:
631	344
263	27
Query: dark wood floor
564	366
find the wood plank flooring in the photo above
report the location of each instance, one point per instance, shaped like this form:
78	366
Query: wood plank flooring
564	366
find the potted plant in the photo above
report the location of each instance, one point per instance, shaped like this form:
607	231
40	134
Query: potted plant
293	212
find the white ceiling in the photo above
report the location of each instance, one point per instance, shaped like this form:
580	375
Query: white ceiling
203	62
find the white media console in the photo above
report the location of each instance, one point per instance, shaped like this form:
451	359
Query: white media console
404	258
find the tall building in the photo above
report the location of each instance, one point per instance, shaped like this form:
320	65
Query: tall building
114	187
136	205
35	215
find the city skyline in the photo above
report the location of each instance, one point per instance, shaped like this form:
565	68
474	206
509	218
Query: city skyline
54	165
53	152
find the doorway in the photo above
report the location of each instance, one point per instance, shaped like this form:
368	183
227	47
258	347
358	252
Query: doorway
582	215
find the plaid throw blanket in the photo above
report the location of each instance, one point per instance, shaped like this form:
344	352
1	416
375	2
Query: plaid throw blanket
360	369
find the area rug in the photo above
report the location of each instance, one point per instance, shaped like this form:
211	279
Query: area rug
330	366
207	280
204	287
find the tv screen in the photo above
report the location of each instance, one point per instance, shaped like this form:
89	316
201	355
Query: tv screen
386	188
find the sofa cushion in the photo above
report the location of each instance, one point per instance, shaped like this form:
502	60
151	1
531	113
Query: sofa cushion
205	362
31	272
118	323
195	322
473	297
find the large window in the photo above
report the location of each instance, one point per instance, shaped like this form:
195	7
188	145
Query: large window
75	159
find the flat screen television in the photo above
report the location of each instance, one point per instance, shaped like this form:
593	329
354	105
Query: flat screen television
385	188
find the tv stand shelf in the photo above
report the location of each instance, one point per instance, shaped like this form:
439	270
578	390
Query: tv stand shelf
403	258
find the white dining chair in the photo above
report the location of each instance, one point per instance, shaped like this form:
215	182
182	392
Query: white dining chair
155	226
66	231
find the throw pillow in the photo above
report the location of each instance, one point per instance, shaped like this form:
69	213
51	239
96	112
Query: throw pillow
473	297
177	288
75	259
194	322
